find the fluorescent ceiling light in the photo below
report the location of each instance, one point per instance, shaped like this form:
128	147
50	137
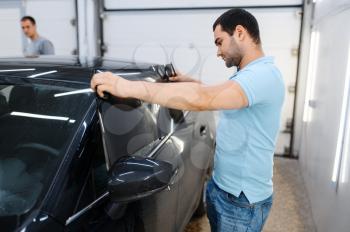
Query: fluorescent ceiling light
341	150
42	74
344	176
311	75
18	70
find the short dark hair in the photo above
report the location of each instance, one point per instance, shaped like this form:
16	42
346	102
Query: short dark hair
30	18
237	16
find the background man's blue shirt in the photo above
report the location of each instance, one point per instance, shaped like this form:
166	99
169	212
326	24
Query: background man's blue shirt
39	46
246	138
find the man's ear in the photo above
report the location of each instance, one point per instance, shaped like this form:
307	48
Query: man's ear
240	32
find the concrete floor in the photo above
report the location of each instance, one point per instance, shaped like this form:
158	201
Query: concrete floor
291	207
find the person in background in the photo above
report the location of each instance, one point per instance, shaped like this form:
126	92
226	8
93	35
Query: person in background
240	193
37	45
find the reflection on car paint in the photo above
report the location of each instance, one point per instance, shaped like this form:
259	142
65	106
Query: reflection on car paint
18	70
41	116
87	90
42	74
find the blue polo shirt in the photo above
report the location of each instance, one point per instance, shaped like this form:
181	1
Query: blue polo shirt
246	138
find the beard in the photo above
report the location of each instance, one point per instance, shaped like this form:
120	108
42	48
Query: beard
232	61
233	57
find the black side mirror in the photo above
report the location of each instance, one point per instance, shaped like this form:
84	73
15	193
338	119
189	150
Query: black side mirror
133	178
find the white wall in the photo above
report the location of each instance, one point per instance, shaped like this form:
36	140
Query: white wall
325	140
302	76
11	35
144	4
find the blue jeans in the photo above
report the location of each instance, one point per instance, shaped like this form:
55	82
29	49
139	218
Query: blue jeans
227	213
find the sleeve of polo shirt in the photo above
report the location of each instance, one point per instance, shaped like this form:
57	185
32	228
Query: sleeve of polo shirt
257	88
48	48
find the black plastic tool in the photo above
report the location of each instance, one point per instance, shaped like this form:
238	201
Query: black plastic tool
170	70
165	71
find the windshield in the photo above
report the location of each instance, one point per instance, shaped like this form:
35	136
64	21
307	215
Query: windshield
37	123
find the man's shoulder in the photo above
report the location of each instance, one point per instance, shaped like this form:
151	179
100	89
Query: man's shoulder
265	70
261	82
43	40
262	67
261	70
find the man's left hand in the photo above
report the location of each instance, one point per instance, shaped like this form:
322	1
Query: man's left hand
107	82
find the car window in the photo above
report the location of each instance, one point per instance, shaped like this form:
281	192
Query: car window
127	126
168	119
37	123
99	173
96	185
176	115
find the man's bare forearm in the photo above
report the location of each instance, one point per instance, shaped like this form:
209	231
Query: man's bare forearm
187	95
180	95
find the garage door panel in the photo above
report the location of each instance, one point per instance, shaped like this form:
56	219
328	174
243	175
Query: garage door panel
144	4
140	53
168	27
11	40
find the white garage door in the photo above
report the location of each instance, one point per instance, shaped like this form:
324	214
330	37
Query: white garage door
184	37
10	39
147	4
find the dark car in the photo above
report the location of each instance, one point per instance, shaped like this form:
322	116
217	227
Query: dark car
70	161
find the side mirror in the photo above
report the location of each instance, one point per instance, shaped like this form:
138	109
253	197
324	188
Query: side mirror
133	178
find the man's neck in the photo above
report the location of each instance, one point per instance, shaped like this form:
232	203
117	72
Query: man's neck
34	37
250	56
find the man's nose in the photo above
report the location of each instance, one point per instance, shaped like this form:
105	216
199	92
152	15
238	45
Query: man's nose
218	53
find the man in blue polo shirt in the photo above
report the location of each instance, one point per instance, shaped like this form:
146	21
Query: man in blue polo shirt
239	196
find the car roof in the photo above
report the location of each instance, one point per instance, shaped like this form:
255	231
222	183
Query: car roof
69	69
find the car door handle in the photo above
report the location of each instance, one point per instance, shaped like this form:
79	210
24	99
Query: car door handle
202	130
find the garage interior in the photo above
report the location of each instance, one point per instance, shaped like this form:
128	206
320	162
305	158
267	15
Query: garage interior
309	40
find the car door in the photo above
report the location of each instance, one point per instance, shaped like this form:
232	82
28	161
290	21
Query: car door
89	212
192	133
130	127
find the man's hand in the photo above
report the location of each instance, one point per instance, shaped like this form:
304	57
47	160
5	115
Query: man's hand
107	82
